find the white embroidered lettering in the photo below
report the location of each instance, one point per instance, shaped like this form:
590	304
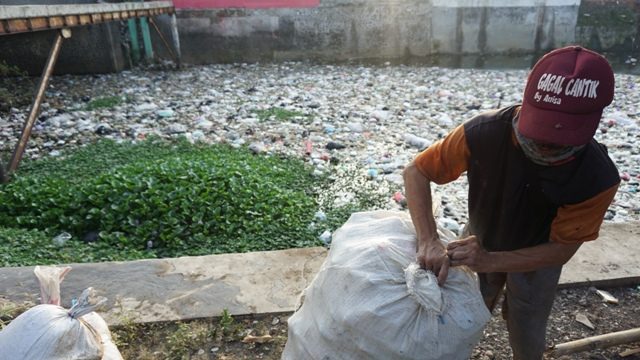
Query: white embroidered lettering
593	92
552	100
542	80
569	90
584	88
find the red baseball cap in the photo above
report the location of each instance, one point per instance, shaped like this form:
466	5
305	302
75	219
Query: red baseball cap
566	92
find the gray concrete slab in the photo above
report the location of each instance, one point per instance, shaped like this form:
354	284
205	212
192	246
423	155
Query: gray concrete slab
611	260
182	288
267	282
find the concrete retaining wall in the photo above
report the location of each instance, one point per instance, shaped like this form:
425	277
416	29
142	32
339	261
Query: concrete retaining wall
338	30
342	30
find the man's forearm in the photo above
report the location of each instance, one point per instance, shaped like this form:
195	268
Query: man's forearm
418	194
528	259
431	254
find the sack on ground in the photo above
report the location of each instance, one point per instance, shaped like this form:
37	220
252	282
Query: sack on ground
371	300
49	331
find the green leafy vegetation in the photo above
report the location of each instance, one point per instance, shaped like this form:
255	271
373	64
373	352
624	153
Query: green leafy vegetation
107	102
126	333
185	338
22	247
123	201
279	114
227	327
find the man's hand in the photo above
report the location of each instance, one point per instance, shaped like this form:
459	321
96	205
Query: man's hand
470	252
433	256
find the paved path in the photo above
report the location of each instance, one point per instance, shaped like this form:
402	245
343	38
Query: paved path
267	282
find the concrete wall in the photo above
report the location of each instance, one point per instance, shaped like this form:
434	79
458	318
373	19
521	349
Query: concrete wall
473	32
405	29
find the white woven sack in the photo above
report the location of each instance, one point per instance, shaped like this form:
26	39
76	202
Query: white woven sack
52	332
110	349
49	331
370	299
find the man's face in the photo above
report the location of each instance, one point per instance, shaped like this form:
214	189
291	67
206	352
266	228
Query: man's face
549	150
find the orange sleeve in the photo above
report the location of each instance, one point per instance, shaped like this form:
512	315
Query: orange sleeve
581	222
445	160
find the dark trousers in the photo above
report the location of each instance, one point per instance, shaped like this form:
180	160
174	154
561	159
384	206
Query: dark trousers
526	306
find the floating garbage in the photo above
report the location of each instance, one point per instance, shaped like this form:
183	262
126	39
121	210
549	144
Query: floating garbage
325	237
320	215
356	113
165	113
62	238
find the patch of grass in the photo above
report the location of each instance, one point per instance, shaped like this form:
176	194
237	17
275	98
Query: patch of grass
227	328
279	114
125	334
106	102
10	311
186	338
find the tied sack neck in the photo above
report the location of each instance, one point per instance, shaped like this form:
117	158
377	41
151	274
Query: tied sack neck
546	157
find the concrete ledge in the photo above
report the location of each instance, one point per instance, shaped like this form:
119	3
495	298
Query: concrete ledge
267	282
611	260
182	288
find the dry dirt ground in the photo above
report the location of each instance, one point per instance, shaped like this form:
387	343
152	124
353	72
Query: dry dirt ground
222	337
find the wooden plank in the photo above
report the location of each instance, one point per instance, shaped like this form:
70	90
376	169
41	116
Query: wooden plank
40	23
56	22
44	18
84	19
71	20
47	10
18	25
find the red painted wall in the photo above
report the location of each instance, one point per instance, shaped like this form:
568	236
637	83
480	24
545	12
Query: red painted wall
249	4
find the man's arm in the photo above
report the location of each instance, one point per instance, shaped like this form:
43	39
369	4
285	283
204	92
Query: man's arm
469	252
431	253
573	225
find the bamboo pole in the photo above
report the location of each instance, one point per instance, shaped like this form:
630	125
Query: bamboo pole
164	41
596	342
37	100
